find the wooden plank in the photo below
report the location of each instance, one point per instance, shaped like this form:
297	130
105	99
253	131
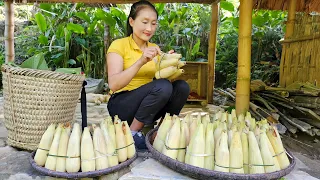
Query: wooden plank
118	1
199	80
212	51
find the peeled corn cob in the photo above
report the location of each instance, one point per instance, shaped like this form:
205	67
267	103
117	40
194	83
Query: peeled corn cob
52	157
172	140
73	163
162	133
63	146
166	72
44	146
88	162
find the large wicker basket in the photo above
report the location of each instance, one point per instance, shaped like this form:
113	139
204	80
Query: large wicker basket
33	99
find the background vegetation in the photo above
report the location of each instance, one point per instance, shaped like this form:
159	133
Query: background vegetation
73	35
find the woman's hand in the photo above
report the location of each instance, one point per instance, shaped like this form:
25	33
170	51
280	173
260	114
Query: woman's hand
149	53
171	51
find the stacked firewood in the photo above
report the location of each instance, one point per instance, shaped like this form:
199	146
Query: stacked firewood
297	106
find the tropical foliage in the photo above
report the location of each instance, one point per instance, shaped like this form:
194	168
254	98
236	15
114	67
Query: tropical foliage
73	35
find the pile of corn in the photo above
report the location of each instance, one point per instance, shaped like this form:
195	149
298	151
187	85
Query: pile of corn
63	150
224	143
168	66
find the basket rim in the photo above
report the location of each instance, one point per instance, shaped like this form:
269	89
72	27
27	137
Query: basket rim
39	73
200	173
77	175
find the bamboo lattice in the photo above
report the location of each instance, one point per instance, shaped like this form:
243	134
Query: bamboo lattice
299	61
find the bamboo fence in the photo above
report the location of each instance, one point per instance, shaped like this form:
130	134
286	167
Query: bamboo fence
299	61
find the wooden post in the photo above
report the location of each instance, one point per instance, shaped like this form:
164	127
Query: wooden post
244	57
212	50
9	31
291	18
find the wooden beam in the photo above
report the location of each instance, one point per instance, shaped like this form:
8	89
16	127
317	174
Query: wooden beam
291	18
244	57
120	1
9	31
212	50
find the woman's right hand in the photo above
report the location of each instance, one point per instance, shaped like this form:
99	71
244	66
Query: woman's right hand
149	53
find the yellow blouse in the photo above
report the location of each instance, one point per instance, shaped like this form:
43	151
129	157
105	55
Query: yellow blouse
130	52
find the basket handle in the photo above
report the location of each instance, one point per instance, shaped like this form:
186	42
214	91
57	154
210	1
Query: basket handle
83	101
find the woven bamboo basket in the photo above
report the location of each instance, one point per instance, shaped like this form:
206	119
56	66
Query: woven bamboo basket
33	99
201	173
78	175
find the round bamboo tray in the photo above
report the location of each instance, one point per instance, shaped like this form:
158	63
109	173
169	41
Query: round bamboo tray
33	99
201	173
78	175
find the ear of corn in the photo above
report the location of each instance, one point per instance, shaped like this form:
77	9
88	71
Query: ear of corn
166	72
111	130
111	147
129	140
52	158
44	145
236	154
171	56
182	141
181	64
245	151
277	145
266	154
162	133
198	147
120	141
209	148
193	126
255	159
73	164
176	74
187	133
222	154
172	140
166	63
88	162
63	146
100	148
275	158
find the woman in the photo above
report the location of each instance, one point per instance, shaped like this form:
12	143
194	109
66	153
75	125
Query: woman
137	97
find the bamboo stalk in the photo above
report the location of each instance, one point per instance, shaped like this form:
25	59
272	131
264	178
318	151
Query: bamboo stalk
244	57
313	122
309	100
9	31
291	18
300	39
291	128
212	50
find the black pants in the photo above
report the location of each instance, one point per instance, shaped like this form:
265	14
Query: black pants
149	102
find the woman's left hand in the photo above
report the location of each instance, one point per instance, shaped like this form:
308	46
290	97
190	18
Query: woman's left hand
171	51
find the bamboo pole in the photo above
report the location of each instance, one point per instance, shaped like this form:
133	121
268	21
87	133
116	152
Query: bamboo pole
9	31
291	18
212	50
289	32
244	57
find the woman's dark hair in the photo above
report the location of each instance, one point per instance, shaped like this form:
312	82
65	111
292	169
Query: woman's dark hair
135	8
